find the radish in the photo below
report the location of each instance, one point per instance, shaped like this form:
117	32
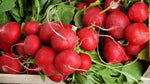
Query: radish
136	33
44	59
46	31
58	78
88	38
61	24
5	47
20	49
66	40
67	61
85	63
32	27
30	71
113	52
117	7
10	33
32	44
138	12
117	21
107	39
93	17
81	6
134	49
10	64
126	59
89	1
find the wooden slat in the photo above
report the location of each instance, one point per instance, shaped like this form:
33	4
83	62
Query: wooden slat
24	78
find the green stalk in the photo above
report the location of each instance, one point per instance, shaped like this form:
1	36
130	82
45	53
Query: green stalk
109	7
126	74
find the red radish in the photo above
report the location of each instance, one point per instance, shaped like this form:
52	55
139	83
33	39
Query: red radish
89	1
10	64
44	59
58	78
138	12
30	71
46	31
107	39
69	26
127	58
93	17
136	33
118	21
117	7
67	40
32	27
32	44
88	39
62	24
20	49
85	63
113	52
5	47
72	27
67	61
81	6
134	49
10	33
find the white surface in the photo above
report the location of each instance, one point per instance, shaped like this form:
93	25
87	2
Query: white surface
146	80
24	78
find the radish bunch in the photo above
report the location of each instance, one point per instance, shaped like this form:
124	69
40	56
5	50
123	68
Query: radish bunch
58	50
52	46
118	25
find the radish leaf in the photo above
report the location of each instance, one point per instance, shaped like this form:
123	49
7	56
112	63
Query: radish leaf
6	5
144	54
4	18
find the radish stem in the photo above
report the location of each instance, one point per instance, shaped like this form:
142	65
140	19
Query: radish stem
109	7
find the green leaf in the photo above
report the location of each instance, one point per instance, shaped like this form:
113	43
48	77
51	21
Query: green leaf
55	2
32	60
133	71
4	18
132	75
6	5
78	19
144	54
65	13
37	8
42	76
148	9
121	79
15	13
42	4
107	76
80	79
21	7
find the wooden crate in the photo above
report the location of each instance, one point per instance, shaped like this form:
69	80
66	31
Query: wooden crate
24	78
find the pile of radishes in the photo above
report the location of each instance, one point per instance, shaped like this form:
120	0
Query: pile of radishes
54	45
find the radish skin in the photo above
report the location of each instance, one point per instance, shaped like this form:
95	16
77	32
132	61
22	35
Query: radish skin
32	44
67	61
32	27
68	41
88	39
93	17
10	33
10	64
44	59
113	52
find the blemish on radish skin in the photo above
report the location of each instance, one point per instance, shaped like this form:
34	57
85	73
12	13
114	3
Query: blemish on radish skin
114	7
